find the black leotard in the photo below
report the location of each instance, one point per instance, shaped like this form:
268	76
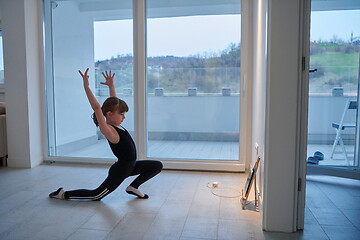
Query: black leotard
126	166
125	149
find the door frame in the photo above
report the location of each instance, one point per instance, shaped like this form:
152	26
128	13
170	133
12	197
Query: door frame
302	130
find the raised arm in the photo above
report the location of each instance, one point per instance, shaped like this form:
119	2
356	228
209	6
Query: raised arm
109	81
92	100
108	131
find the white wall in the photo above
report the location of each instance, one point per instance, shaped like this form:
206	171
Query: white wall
22	39
282	115
259	89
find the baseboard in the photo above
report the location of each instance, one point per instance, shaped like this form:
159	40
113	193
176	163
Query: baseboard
18	163
224	166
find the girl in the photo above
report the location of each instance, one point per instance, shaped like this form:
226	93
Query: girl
109	118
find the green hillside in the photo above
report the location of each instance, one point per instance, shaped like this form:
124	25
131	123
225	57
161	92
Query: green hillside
337	62
338	66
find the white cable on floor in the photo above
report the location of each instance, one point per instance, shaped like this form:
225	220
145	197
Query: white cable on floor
238	193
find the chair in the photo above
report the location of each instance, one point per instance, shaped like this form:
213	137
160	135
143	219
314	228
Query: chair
339	127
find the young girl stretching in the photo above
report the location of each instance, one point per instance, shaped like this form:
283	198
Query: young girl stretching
109	118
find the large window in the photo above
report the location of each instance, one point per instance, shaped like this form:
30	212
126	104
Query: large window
193	80
191	86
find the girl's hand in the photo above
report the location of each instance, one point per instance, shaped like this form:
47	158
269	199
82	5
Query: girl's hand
109	78
85	77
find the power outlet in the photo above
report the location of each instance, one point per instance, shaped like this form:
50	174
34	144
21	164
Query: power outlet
257	148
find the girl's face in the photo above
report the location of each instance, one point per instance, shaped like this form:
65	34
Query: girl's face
116	117
121	117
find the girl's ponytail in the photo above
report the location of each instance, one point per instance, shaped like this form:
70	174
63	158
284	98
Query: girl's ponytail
93	116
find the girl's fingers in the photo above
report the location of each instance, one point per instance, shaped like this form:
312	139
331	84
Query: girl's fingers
107	74
84	74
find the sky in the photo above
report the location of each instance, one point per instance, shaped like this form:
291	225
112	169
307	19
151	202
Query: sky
180	36
326	24
184	36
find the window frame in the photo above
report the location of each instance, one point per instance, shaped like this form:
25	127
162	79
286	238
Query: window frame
139	38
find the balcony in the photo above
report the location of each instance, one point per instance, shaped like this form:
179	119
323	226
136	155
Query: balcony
193	142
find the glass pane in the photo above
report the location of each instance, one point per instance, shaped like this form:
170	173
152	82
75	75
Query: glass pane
85	34
1	59
193	79
334	52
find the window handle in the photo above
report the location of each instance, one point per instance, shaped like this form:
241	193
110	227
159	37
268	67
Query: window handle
313	70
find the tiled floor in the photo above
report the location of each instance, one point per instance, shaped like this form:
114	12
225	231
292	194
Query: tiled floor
180	207
338	158
334	204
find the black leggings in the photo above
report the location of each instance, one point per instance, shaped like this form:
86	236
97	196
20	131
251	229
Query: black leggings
117	174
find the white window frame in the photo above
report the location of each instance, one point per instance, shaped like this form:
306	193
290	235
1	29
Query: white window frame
139	18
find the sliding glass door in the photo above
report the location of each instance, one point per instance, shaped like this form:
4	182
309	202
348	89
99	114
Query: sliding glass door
193	79
333	124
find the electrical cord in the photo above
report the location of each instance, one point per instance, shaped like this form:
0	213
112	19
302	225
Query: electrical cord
215	186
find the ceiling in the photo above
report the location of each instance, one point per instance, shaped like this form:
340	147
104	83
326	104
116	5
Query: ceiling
122	9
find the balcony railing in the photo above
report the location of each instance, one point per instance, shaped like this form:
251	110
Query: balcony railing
324	109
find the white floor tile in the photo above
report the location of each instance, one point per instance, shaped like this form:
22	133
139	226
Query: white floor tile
180	207
88	234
